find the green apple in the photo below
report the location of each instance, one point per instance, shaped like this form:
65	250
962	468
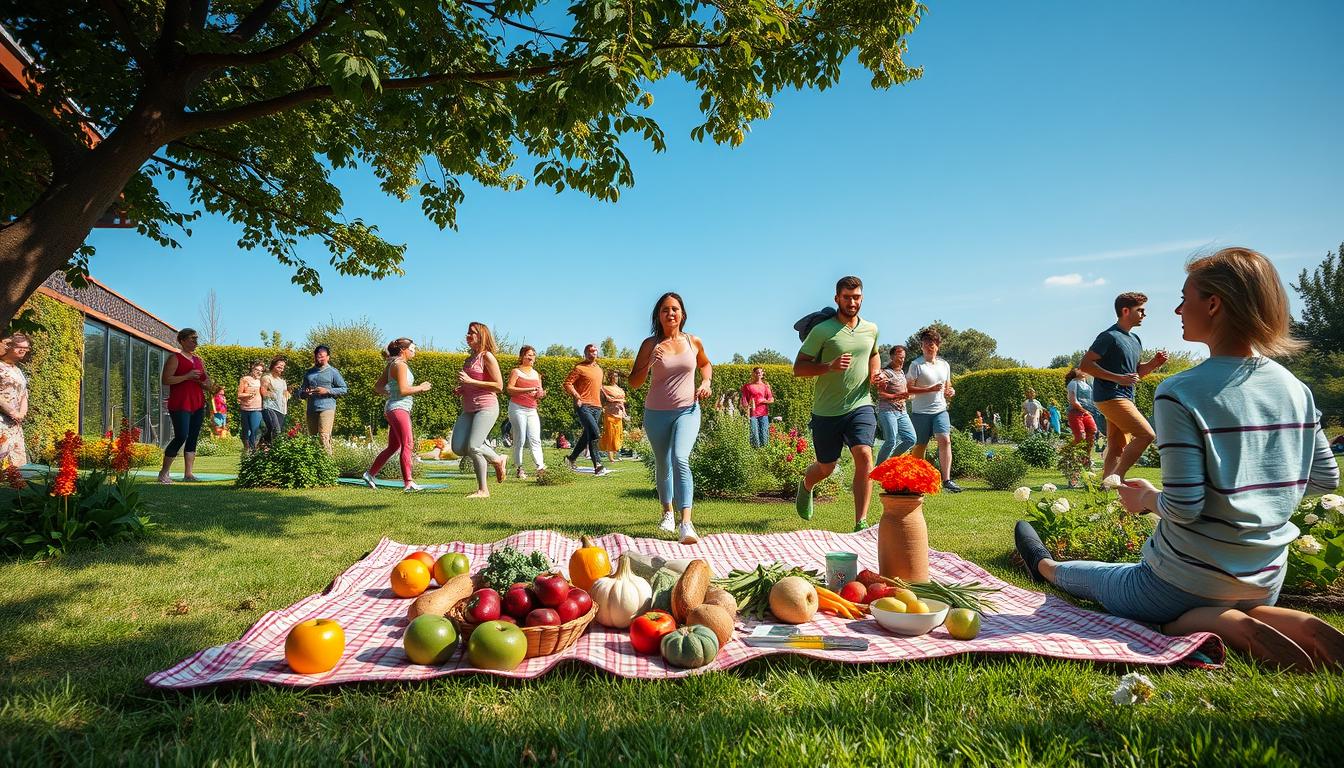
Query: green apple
963	623
450	565
496	645
430	639
889	604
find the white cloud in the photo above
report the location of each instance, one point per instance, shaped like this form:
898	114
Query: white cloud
1153	249
1073	280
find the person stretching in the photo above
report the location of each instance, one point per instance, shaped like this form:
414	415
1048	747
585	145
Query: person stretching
668	359
479	384
1113	360
398	385
584	384
1241	443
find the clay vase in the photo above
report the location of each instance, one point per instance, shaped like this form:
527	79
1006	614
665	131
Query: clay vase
903	538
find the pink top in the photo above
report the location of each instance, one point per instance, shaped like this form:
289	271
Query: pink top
672	380
476	398
187	395
757	393
529	400
249	394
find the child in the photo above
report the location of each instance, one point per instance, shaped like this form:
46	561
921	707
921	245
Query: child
220	416
1054	417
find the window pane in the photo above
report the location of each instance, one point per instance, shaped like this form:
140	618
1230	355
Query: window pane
155	434
95	378
139	374
118	360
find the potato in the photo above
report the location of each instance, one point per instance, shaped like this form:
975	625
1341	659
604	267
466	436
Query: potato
690	589
714	617
438	601
722	598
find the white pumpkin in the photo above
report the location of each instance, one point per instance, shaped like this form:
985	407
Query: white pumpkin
621	596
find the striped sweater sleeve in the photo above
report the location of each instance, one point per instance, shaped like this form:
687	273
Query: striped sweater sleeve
1324	470
1181	445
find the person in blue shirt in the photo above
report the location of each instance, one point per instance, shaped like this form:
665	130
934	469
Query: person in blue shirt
322	384
1241	444
1054	417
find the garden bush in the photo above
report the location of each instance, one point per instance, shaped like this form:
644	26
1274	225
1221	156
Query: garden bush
785	459
225	445
1074	460
968	455
556	476
1316	558
723	462
1039	450
1005	470
290	462
54	368
1094	528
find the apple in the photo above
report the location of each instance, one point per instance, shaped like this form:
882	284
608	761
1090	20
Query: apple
430	639
507	619
497	645
551	588
483	605
518	601
543	617
450	565
568	609
962	623
314	646
854	591
581	597
878	590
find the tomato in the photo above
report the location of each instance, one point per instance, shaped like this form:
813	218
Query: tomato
424	557
646	632
853	591
314	646
409	578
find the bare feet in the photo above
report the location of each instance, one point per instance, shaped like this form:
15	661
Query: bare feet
479	495
499	470
190	479
164	479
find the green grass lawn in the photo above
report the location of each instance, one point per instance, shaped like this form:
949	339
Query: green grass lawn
78	635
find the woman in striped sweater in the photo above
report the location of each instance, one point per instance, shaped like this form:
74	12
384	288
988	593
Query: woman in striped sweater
1241	444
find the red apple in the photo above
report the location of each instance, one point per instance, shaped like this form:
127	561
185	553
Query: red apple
551	588
507	619
483	606
518	601
878	590
542	617
854	591
584	600
568	609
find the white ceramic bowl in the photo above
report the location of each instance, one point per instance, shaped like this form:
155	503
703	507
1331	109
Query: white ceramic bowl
911	624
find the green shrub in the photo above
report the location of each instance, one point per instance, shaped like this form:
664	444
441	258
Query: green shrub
723	462
784	460
1316	558
556	476
1151	456
54	368
1039	450
290	462
1095	527
210	445
968	455
103	509
1005	470
1074	460
353	458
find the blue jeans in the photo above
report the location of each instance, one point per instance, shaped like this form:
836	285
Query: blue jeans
589	419
251	428
760	431
672	435
1133	591
186	428
898	434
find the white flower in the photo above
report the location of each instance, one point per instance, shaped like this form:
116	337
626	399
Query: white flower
1133	688
1094	518
1022	494
1311	519
1111	482
1332	501
1308	545
1049	488
1060	506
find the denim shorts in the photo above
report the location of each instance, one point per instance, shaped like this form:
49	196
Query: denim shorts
830	434
929	424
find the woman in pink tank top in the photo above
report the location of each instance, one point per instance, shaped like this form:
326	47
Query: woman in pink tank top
479	384
668	359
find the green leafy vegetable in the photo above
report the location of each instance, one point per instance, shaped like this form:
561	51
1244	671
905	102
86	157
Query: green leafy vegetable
507	566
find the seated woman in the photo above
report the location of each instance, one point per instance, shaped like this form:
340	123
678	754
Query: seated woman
1241	444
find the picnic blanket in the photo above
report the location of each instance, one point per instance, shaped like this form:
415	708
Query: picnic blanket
1026	622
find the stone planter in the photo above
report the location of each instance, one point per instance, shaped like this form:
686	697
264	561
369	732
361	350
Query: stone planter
903	538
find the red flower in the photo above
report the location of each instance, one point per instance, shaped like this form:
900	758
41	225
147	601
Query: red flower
69	471
294	430
789	457
800	446
907	474
793	433
125	448
14	478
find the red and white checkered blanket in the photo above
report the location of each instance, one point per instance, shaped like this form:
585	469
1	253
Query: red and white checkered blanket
374	619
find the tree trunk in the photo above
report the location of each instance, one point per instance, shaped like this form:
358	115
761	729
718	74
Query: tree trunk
43	239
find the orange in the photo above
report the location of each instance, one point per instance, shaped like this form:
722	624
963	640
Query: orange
410	578
425	558
314	646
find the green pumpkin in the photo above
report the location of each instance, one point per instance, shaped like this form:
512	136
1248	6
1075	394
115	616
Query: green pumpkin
690	647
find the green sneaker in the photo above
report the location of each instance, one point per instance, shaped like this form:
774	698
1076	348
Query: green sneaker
861	525
803	502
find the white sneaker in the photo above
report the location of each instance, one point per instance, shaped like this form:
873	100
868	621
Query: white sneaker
687	533
411	487
603	472
668	524
368	480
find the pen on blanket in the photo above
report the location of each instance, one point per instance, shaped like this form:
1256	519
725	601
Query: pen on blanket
812	642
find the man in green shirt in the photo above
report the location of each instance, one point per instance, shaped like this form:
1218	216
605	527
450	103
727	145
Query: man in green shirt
841	352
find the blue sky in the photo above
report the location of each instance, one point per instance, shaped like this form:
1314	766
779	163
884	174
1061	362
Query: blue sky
1053	155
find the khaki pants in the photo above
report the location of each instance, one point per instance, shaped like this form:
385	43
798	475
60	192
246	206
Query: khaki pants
319	426
1123	420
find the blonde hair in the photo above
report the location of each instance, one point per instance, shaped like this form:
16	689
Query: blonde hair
487	338
1254	303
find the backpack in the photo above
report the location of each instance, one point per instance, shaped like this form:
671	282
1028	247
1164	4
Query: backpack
809	321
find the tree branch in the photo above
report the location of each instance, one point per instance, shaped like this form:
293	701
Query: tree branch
260	175
211	61
174	19
61	148
200	11
254	21
490	9
119	15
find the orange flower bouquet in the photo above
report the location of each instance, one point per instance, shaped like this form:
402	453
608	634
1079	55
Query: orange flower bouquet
907	475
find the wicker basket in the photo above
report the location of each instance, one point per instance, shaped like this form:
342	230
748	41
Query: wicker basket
541	641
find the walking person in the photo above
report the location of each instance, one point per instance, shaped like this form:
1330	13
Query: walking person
479	384
398	385
249	406
1052	413
1113	361
525	393
1241	444
13	398
898	433
274	400
840	352
184	374
322	384
1081	423
584	385
668	360
614	417
1031	412
756	399
929	381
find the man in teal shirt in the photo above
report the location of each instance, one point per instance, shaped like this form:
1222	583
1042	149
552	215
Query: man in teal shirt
841	352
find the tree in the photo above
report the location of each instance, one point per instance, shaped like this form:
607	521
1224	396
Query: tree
768	356
1067	361
626	353
212	325
275	342
738	359
608	347
255	103
561	350
349	334
968	350
1322	292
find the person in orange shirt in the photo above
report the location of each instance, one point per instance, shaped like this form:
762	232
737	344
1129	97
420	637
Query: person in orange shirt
584	384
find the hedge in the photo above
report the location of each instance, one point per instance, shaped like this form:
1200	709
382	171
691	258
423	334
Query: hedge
1003	390
54	368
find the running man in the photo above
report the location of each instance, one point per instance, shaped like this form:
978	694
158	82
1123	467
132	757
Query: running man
929	382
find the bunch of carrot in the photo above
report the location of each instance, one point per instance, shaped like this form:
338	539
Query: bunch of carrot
834	603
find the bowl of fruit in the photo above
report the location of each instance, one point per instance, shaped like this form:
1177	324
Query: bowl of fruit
908	617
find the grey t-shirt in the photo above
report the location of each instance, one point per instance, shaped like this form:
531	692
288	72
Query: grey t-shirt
895	382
